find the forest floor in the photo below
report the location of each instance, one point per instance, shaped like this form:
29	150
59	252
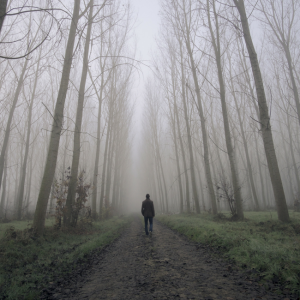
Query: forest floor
164	266
29	264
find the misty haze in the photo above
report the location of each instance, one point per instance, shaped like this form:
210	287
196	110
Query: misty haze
150	149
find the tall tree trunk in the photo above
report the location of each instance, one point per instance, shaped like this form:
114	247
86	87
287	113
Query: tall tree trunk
173	121
28	193
51	206
24	164
248	181
2	203
78	123
245	144
198	168
290	181
3	4
116	176
10	118
160	184
96	167
104	166
230	150
282	211
41	207
218	152
186	176
160	166
109	165
18	177
178	168
292	154
204	131
262	179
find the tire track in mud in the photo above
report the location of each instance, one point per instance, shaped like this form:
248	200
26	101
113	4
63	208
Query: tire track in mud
166	266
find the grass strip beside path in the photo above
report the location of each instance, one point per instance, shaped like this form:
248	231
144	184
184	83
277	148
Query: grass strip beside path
261	242
28	265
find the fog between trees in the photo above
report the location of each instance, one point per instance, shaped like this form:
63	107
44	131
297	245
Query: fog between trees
220	123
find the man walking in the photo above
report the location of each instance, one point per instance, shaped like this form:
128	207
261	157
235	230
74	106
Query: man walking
148	213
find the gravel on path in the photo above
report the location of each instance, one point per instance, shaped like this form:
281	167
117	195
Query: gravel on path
164	266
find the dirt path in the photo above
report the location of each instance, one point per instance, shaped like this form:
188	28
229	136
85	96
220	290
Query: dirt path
165	266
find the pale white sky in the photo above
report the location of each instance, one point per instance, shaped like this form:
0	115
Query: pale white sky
146	30
147	25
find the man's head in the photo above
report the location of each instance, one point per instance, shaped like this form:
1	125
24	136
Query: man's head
147	196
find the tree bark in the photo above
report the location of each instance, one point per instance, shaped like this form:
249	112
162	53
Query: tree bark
173	122
262	179
96	167
3	5
177	159
104	167
245	144
204	131
41	207
160	166
282	211
111	152
187	187
230	150
71	197
24	164
10	118
3	196
289	180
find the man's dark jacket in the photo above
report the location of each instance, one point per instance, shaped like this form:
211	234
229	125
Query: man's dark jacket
148	208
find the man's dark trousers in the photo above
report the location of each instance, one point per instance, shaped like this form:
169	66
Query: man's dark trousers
146	224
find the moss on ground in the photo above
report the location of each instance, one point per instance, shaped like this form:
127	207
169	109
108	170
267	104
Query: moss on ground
261	242
27	265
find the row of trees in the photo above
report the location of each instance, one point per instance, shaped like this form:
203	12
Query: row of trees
66	77
223	121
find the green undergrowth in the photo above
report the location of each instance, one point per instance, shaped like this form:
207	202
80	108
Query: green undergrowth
27	265
261	243
21	225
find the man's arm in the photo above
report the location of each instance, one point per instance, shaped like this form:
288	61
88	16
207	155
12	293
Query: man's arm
142	210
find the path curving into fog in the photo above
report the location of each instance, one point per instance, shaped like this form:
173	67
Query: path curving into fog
166	266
